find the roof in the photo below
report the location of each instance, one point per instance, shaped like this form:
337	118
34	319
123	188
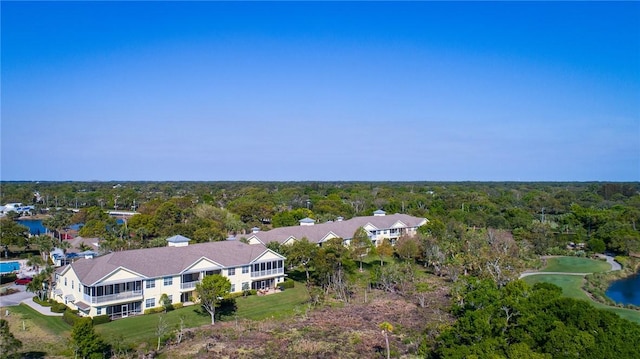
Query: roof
178	239
165	261
342	229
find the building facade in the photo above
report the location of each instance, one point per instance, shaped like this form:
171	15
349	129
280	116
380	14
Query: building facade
120	284
379	227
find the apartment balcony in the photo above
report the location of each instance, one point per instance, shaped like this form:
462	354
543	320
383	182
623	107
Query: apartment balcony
268	272
189	285
119	297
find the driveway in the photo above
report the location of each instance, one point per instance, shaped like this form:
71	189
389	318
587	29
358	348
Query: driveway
15	298
24	297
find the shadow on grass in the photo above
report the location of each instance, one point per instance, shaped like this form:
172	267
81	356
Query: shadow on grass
227	308
33	355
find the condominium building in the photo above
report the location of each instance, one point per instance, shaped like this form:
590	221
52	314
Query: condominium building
380	226
126	283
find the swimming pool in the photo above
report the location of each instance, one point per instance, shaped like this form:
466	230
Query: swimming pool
8	267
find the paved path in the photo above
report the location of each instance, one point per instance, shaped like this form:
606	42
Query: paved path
614	267
22	296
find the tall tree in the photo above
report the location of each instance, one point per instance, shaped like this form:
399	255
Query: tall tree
211	292
360	244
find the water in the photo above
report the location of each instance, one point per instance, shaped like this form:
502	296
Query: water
626	291
35	226
8	267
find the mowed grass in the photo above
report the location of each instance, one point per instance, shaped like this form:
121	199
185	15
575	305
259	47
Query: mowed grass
572	287
575	265
40	335
278	305
142	328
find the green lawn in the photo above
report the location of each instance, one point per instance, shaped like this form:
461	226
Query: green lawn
277	305
53	325
142	328
576	265
572	287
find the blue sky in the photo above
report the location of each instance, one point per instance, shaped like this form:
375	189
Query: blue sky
376	91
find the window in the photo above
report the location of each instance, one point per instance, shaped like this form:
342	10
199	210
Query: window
99	310
233	288
71	284
245	285
232	271
170	298
65	281
168	281
245	269
151	283
150	303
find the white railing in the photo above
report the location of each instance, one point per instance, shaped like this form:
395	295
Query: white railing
112	297
263	273
189	285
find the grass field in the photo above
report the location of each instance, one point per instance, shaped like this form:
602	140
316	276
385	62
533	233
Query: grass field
575	265
142	328
572	287
40	335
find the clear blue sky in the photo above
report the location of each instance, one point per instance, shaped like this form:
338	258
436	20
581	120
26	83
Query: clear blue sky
450	91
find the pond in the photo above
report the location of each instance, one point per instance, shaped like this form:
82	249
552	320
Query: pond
625	291
36	227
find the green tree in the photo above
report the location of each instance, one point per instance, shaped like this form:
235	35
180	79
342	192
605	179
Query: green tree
360	244
85	342
58	221
408	247
384	249
301	253
13	233
9	345
211	292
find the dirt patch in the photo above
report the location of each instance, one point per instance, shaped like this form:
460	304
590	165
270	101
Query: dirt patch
34	339
350	331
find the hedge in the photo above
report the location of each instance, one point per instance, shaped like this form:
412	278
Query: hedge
71	317
101	319
58	307
287	284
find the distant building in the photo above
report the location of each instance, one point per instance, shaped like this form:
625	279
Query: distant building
380	226
16	207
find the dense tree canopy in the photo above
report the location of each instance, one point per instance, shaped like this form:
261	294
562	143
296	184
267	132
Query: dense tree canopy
518	321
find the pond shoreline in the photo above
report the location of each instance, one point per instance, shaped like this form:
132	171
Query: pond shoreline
597	284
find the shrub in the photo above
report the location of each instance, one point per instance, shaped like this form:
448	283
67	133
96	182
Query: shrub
44	303
101	319
287	284
154	310
178	305
58	307
8	278
71	317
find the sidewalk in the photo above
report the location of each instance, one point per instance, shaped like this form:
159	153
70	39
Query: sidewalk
42	310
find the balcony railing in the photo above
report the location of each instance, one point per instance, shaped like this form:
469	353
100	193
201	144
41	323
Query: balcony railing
136	294
189	285
267	272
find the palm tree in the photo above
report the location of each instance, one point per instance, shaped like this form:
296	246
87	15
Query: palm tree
386	329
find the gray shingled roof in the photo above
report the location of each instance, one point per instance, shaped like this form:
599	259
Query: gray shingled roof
343	229
165	261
